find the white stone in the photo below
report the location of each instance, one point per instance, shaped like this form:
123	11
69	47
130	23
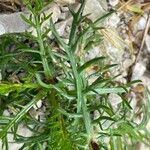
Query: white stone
93	8
147	41
138	70
60	27
127	63
115	54
65	1
141	23
133	103
22	130
113	20
2	29
114	99
113	2
6	113
146	80
13	23
93	53
10	23
38	105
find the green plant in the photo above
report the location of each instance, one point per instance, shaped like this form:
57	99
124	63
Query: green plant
60	79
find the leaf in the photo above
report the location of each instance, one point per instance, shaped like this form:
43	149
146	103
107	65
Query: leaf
34	139
7	88
19	116
51	86
105	91
70	115
99	83
107	67
133	82
4	120
104	118
99	20
28	20
89	63
135	8
29	50
107	109
126	102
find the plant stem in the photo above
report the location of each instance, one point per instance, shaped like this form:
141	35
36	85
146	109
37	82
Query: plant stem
75	24
81	101
47	71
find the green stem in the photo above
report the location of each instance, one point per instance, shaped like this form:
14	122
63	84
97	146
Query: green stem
47	71
75	24
81	101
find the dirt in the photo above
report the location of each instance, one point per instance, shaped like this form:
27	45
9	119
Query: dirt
10	6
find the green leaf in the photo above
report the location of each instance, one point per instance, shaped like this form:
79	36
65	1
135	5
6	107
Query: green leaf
89	63
6	88
28	20
19	116
34	139
4	120
104	118
106	91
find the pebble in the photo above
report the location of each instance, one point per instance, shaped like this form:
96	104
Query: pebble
142	23
127	63
38	105
138	70
6	113
10	23
114	100
65	1
61	27
93	8
2	29
113	20
147	42
93	53
113	2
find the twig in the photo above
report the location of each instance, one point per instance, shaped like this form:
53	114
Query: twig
144	36
130	72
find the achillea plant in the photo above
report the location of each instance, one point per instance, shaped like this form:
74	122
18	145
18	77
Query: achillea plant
34	70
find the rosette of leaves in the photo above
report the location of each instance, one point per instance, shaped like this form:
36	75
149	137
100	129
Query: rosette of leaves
56	72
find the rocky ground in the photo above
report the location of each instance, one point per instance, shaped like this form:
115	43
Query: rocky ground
127	30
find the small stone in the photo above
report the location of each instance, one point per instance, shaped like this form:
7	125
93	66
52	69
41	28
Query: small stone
2	29
113	20
114	100
64	9
115	54
61	27
6	113
93	53
127	63
142	23
147	41
38	105
113	2
10	23
146	80
133	103
93	8
65	1
138	70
